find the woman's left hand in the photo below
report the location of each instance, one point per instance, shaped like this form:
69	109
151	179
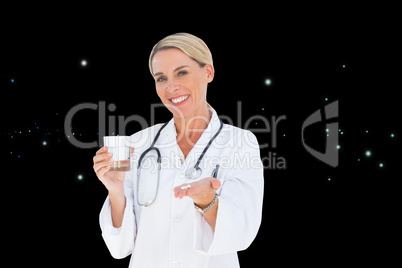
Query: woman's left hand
202	192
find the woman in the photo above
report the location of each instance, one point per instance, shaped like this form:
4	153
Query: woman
164	230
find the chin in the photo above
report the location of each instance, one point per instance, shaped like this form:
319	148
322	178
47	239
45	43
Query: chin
185	109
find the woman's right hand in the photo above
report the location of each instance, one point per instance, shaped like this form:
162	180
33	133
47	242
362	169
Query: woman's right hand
113	180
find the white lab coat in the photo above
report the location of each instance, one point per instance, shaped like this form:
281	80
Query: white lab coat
170	232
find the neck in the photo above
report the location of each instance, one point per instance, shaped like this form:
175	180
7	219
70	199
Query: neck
193	124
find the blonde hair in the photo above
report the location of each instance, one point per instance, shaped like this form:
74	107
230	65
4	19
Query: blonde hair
190	44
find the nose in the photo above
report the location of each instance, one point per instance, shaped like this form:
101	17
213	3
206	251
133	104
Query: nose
172	86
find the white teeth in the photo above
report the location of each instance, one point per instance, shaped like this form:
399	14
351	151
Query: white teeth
180	99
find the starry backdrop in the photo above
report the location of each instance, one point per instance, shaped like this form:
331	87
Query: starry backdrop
313	213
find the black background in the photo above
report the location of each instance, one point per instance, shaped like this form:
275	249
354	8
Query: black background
51	217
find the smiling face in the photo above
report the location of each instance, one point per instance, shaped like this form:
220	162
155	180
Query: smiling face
181	83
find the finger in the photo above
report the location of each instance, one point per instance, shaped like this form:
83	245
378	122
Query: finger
182	193
132	151
101	150
102	172
215	183
176	194
176	191
99	165
102	157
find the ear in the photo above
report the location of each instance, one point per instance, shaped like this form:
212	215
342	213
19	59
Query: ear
210	72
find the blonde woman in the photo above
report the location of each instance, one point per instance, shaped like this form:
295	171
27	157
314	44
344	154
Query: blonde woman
204	201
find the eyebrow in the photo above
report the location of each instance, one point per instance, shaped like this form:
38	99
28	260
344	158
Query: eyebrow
175	70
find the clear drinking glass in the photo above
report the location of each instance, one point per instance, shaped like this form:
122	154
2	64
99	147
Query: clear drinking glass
120	147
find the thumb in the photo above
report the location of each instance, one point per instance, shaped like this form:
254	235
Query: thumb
215	183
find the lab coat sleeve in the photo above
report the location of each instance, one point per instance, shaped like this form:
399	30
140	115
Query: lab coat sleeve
239	208
120	241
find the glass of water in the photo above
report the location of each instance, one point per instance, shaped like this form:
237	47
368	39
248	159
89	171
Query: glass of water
120	147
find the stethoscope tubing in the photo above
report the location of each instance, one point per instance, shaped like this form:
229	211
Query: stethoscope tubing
195	171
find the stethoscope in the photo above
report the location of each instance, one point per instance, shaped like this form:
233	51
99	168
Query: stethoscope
191	173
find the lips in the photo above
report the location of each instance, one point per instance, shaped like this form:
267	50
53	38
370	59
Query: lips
179	99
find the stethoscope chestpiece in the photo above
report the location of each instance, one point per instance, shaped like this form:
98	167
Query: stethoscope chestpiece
193	173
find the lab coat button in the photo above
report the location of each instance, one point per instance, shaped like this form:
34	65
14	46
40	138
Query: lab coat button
176	264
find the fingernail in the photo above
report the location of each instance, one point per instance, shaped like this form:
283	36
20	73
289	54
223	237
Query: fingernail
109	154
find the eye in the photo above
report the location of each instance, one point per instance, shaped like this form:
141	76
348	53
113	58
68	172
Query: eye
181	73
160	79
